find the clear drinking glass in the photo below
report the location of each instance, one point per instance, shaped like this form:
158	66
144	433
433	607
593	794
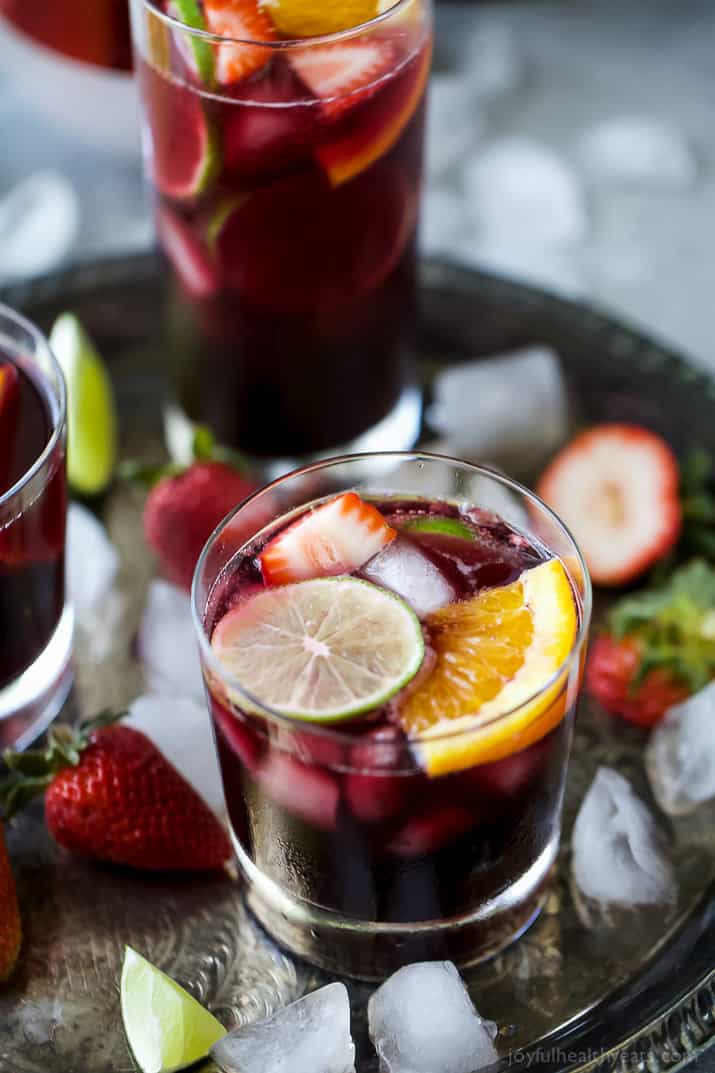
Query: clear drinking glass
353	855
288	221
35	622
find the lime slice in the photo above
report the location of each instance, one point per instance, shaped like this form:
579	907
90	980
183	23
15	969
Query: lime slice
322	650
189	12
443	526
91	415
167	1029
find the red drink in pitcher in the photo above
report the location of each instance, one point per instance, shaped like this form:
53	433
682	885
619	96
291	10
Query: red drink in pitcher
287	176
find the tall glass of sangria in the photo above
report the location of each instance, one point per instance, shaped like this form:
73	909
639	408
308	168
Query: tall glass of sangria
35	624
283	140
392	648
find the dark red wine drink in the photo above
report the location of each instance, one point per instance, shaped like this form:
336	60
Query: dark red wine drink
392	738
93	31
287	184
34	626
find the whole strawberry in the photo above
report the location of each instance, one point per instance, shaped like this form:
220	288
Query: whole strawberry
614	679
186	503
111	795
10	926
183	510
658	648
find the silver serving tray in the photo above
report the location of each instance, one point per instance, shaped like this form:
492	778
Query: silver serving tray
637	996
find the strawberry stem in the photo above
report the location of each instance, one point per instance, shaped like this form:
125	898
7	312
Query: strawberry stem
32	770
203	449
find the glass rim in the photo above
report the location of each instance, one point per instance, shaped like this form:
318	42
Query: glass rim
560	675
295	42
42	342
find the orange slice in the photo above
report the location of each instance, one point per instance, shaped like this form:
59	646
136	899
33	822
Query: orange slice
371	137
494	652
311	18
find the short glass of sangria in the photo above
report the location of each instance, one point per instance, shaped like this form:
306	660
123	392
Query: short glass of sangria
392	647
286	167
35	622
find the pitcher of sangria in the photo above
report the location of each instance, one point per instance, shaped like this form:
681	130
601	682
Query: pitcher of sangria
283	140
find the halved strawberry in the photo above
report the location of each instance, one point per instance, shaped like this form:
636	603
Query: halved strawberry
616	487
345	73
9	413
335	538
244	23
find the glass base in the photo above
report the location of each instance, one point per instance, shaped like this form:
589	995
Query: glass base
368	950
397	431
30	703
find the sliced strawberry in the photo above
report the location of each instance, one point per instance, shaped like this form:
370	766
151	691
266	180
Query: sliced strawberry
308	792
245	742
244	22
9	413
431	830
188	254
344	74
616	487
335	538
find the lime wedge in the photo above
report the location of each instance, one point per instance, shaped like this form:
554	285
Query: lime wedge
322	650
91	416
167	1029
443	526
189	12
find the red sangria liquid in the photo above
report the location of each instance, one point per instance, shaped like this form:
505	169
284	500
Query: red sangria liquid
92	31
32	520
287	181
373	818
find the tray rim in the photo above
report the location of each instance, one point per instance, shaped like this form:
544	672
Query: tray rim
670	1039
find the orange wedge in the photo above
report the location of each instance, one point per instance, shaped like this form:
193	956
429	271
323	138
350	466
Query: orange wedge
372	136
311	18
494	652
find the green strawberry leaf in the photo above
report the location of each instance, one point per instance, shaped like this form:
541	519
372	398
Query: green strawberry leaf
674	624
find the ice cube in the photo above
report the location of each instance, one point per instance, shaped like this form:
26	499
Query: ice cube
619	855
166	643
311	1035
454	124
39	221
492	62
637	151
680	756
402	568
474	405
441	220
179	727
92	561
520	190
422	1020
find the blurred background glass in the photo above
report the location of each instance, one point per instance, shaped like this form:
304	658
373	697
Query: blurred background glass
570	145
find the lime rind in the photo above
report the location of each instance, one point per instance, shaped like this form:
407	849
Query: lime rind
439	525
91	411
167	1029
361	640
189	12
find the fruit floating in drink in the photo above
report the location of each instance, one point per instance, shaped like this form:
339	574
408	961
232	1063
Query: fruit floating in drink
392	684
285	155
32	516
95	32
